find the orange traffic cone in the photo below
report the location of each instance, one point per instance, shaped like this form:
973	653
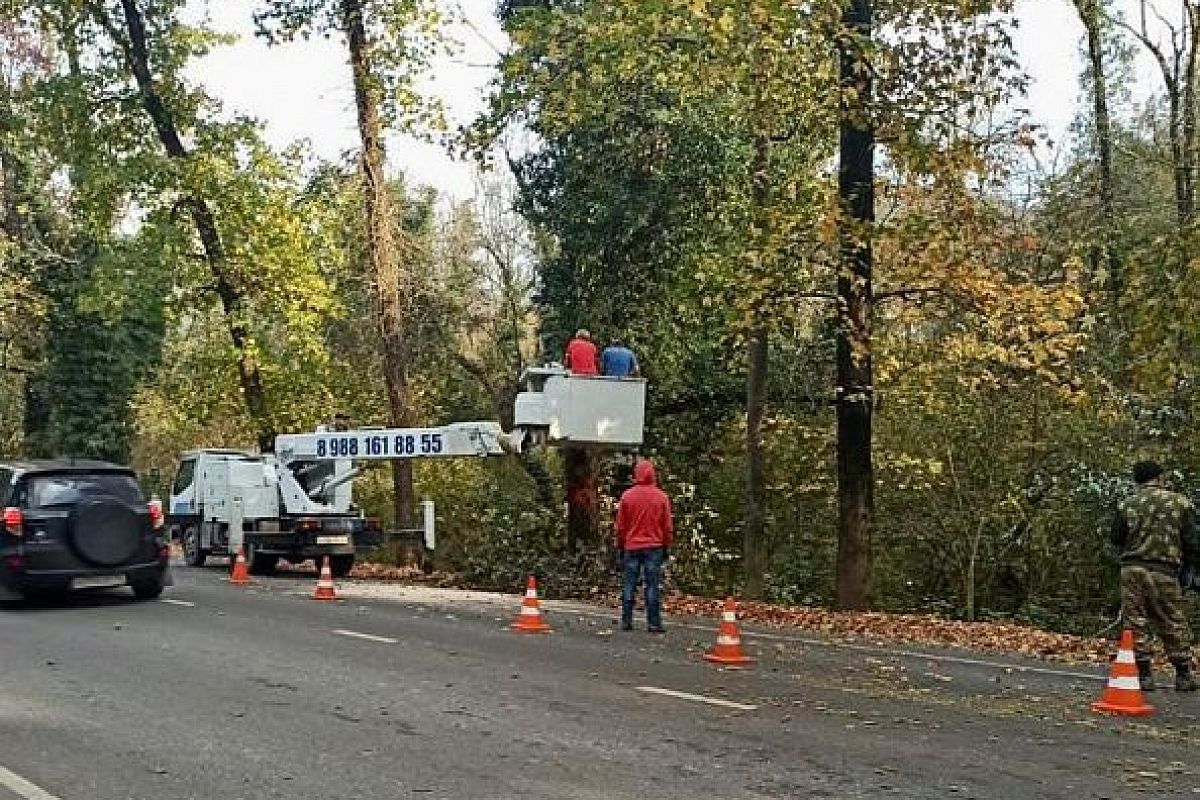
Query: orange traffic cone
728	649
1123	695
325	588
530	619
241	574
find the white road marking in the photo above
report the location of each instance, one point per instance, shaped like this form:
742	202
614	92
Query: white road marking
23	788
877	650
370	637
184	603
696	698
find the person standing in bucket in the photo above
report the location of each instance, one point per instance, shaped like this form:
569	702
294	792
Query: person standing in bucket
618	361
644	533
581	356
1155	534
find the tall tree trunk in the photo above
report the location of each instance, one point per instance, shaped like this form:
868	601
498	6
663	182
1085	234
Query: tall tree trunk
133	44
583	497
381	244
1178	68
1191	158
753	544
1105	259
1090	15
855	383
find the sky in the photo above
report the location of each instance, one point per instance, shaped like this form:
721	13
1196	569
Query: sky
303	91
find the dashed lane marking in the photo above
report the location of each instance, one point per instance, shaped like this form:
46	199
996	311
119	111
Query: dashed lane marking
696	698
23	788
370	637
174	602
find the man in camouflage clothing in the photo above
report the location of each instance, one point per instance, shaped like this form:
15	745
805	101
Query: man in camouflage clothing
1155	534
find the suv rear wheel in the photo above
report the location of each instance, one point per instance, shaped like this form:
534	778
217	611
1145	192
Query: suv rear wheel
9	598
148	588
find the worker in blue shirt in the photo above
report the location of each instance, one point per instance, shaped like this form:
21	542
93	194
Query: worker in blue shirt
618	361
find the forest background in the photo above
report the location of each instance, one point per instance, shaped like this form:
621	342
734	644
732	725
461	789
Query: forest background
901	347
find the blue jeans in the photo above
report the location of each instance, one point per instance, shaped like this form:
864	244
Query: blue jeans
649	562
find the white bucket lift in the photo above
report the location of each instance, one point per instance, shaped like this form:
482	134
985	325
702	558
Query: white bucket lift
561	408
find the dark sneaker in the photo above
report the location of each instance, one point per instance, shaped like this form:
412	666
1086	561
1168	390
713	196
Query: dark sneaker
626	626
657	629
1185	681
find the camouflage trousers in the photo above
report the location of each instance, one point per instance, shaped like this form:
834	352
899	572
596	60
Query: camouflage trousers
1152	601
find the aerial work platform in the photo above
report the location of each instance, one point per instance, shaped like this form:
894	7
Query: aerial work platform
558	407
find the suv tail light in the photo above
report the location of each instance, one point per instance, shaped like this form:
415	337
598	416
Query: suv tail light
156	513
14	521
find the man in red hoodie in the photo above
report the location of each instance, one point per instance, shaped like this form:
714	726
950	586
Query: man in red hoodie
644	533
582	357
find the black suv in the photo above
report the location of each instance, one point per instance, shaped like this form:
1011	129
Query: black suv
78	525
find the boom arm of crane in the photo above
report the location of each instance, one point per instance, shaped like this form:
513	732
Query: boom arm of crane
349	453
385	444
556	407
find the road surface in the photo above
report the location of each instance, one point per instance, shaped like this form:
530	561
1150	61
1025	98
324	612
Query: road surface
227	693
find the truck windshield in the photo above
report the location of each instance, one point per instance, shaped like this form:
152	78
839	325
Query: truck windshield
183	480
312	474
57	490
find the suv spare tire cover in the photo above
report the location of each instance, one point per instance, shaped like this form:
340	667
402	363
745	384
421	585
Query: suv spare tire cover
105	531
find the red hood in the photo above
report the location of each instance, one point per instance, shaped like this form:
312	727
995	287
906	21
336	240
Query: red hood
644	475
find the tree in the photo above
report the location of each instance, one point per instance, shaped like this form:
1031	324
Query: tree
1094	18
923	97
1178	61
132	265
95	314
501	339
389	46
126	26
33	235
855	382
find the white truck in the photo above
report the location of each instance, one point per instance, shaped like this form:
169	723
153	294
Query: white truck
297	502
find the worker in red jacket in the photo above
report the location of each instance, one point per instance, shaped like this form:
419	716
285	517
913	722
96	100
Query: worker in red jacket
644	533
582	357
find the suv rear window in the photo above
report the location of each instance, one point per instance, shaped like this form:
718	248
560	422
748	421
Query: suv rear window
66	489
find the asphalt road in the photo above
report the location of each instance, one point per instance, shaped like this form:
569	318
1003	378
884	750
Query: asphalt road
221	693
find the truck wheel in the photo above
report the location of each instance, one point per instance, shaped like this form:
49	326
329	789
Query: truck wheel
193	554
340	566
260	563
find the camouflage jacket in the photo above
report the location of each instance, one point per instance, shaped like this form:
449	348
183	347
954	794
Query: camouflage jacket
1156	526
